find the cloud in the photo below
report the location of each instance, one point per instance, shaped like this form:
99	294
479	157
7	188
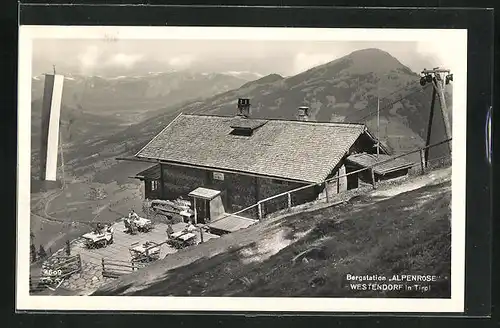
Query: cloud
286	57
305	61
182	61
437	53
89	58
123	60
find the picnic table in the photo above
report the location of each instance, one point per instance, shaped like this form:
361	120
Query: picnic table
181	239
183	236
96	239
145	252
142	224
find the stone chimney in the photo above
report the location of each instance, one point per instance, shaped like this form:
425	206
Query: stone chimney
244	107
303	113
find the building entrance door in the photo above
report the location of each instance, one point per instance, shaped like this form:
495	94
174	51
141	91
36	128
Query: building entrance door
202	198
220	185
202	210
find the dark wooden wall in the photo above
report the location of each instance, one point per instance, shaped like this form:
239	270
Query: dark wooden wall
238	191
392	175
364	144
148	192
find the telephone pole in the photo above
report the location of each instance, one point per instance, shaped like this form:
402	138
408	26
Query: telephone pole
429	127
378	117
378	126
439	78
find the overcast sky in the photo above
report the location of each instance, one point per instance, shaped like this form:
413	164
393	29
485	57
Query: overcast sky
98	57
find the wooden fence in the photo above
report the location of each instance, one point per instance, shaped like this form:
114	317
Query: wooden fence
288	194
116	268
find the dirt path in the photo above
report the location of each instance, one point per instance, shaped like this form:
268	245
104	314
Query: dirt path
50	198
46	200
43	215
55	240
415	183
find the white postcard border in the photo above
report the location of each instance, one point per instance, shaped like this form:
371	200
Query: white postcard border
458	64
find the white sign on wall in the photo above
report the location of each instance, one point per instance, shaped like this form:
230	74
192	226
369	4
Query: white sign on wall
218	176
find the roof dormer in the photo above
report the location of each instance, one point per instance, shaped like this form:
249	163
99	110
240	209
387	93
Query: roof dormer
245	127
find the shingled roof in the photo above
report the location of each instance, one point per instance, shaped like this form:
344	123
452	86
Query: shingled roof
296	150
387	166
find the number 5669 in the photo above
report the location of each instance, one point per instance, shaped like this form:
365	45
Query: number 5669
51	272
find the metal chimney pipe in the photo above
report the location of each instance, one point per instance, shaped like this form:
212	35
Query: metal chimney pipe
244	107
303	113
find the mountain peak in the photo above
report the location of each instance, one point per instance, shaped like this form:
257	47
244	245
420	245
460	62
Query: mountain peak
359	62
371	54
372	60
369	51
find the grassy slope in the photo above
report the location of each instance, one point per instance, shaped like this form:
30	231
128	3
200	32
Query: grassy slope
405	234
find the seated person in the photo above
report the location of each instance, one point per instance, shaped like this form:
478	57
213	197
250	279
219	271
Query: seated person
170	230
132	215
190	227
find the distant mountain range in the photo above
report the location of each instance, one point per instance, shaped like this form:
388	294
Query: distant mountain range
140	93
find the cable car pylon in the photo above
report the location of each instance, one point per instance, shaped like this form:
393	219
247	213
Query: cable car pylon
439	78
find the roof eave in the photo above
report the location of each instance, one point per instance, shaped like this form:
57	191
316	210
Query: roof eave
392	169
137	177
166	162
376	140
